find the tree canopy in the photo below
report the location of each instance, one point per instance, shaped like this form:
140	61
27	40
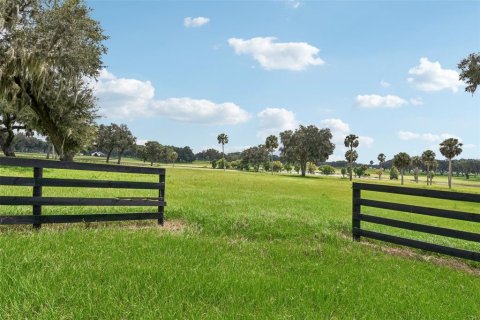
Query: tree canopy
48	53
470	71
306	144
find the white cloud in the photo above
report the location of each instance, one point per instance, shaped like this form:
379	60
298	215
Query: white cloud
129	98
200	111
294	56
429	76
340	130
416	101
384	84
122	97
376	101
195	22
429	137
364	141
275	120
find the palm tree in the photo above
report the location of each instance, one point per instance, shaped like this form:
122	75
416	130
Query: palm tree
416	162
351	141
351	156
428	158
271	143
173	156
450	148
223	140
401	161
381	159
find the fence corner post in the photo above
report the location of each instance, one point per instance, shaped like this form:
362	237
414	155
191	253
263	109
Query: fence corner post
161	194
356	195
37	192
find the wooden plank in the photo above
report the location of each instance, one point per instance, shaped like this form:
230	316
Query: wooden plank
74	218
81	183
459	253
449	214
37	192
457	234
19	162
447	195
65	201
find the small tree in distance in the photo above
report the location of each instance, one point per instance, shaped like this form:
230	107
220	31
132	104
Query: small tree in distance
351	141
401	161
271	143
450	148
428	158
381	160
223	140
416	162
351	156
173	157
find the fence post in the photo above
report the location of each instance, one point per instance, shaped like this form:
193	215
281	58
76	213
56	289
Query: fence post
37	192
161	194
356	195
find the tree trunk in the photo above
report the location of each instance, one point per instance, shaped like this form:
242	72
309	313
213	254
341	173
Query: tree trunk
109	153
151	163
401	172
223	152
450	173
7	143
120	156
271	162
303	167
350	163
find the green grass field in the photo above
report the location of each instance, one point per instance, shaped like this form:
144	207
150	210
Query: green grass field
235	245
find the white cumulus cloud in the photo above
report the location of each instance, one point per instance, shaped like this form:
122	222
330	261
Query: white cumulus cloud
428	137
376	101
340	130
416	101
189	22
130	98
200	111
430	76
122	97
273	55
275	120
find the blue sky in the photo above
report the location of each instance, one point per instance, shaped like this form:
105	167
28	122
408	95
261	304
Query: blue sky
183	72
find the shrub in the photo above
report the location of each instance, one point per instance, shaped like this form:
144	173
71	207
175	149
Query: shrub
344	172
311	167
327	170
214	164
277	166
221	163
266	166
288	167
360	171
394	173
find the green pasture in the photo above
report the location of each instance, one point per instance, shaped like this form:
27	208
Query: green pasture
235	245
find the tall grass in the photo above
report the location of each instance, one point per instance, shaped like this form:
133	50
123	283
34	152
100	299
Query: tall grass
251	246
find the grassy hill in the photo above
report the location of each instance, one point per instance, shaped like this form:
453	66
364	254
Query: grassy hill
235	245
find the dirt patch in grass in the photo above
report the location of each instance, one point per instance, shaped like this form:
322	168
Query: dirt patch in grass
408	253
174	226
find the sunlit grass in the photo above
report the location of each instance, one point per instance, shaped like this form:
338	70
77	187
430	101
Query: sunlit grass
253	246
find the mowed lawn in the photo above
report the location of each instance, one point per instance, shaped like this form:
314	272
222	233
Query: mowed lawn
235	245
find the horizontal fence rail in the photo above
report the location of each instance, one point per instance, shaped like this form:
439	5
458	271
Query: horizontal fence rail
37	201
358	216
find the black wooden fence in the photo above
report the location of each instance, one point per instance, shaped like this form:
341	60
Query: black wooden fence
38	182
358	216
